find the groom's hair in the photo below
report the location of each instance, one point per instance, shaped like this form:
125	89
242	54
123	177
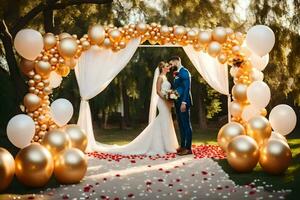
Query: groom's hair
175	58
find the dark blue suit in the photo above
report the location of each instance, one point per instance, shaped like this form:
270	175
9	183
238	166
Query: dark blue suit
182	84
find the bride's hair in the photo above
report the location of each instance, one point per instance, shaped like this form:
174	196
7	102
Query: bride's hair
161	65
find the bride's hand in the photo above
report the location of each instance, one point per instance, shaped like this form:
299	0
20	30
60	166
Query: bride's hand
170	103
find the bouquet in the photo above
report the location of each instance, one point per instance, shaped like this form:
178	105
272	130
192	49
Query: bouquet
172	95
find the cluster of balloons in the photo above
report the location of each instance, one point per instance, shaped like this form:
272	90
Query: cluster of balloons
60	153
251	138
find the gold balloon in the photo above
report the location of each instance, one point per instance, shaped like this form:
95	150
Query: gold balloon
106	43
222	58
214	48
242	153
26	65
275	156
64	35
32	102
77	136
219	34
141	27
259	128
67	47
49	41
34	165
229	31
204	37
63	70
236	108
70	166
228	132
43	68
191	35
164	30
239	92
71	62
86	45
115	35
56	141
263	112
96	34
7	168
179	31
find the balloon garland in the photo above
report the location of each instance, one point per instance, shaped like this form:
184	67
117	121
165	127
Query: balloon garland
248	139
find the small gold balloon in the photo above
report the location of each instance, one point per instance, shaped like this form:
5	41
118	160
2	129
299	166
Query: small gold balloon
64	35
34	165
70	166
86	45
259	128
214	48
164	30
219	34
49	41
32	102
96	34
222	58
67	47
43	68
228	132
275	156
236	109
106	43
263	112
204	37
239	92
115	35
191	35
56	141
242	153
141	27
179	31
63	70
7	168
71	62
26	65
77	136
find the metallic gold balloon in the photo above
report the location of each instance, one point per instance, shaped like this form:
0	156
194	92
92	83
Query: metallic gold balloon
106	43
141	27
236	108
191	35
239	92
275	156
115	35
96	34
259	128
34	165
242	153
263	112
7	168
77	136
71	62
222	58
32	102
56	141
26	65
70	166
205	37
67	47
228	132
49	41
179	31
214	48
86	45
43	68
164	30
219	34
64	35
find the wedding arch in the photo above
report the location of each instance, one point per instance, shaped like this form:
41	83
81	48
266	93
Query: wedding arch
104	51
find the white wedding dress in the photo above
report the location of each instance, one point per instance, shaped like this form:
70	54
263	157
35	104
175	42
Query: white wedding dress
158	137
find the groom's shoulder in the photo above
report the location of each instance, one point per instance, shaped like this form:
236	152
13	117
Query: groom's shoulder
185	70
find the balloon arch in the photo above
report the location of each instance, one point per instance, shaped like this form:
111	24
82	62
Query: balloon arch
246	139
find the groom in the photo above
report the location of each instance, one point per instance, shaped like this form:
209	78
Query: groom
182	84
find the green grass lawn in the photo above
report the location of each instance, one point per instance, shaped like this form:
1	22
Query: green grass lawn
289	180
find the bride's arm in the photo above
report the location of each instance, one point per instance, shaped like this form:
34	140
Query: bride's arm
158	88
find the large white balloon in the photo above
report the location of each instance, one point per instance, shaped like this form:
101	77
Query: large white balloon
20	130
61	111
250	112
259	94
54	79
29	43
256	75
260	39
258	62
283	119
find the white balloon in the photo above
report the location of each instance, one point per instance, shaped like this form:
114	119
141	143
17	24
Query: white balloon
20	130
256	75
250	112
283	119
258	62
260	39
233	71
29	43
54	79
259	94
61	111
277	136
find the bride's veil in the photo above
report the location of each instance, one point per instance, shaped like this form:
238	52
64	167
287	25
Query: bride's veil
154	97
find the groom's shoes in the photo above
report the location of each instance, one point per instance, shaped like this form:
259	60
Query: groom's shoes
180	149
185	152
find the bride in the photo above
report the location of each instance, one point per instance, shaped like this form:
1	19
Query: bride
159	136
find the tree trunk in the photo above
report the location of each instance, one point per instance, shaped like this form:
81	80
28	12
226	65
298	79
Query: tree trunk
125	98
201	105
49	18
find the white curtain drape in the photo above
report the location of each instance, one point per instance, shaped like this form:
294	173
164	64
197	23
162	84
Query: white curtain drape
212	71
96	68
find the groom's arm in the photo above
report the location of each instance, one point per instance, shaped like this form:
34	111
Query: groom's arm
186	82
